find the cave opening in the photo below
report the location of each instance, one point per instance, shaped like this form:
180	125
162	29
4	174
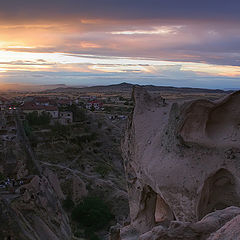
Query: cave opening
218	192
154	209
162	211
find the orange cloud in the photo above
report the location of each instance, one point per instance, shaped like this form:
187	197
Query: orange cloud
89	45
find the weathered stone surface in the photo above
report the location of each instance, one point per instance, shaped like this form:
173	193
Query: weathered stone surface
227	221
34	214
79	188
115	233
53	179
230	231
182	160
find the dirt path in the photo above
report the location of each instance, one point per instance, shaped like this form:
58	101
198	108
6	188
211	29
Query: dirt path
23	139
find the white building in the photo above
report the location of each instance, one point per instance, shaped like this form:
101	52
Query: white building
65	118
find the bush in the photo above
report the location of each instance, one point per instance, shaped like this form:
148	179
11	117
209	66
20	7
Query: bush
68	203
98	144
92	213
103	169
91	236
35	119
71	149
27	128
61	130
2	177
33	140
79	115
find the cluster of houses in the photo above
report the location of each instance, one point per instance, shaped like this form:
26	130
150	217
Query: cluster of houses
90	102
55	106
40	104
51	106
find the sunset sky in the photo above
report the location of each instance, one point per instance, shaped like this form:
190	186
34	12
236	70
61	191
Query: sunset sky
88	42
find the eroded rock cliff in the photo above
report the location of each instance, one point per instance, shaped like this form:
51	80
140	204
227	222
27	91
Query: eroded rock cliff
34	212
30	196
182	162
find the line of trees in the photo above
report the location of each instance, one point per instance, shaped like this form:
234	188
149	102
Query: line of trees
35	119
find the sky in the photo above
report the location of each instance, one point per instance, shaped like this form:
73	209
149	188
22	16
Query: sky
98	42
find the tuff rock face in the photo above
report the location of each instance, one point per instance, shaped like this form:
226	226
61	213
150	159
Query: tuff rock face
182	161
30	195
35	214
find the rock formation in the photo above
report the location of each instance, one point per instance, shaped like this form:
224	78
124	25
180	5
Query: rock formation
182	162
30	199
35	213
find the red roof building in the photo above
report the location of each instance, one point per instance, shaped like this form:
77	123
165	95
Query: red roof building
94	104
30	107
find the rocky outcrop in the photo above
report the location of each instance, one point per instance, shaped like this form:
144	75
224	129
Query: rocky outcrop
53	180
34	212
30	198
230	230
195	231
79	190
181	160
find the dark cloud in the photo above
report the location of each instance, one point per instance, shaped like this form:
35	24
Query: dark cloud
206	31
124	9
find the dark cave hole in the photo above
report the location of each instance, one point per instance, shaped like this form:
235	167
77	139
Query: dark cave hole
218	192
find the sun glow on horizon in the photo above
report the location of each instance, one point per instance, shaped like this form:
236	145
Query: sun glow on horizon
33	61
104	48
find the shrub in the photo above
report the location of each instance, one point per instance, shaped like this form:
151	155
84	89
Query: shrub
98	144
92	213
61	130
103	169
71	149
27	128
79	140
2	177
92	236
68	203
35	119
33	140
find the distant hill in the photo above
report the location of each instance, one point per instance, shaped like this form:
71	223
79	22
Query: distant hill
127	87
29	87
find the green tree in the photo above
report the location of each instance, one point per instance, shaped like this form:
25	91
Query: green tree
35	119
92	213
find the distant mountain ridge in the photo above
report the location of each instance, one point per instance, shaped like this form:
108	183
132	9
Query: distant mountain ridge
14	87
127	87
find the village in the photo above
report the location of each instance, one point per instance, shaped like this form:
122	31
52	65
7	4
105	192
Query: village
18	112
59	107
